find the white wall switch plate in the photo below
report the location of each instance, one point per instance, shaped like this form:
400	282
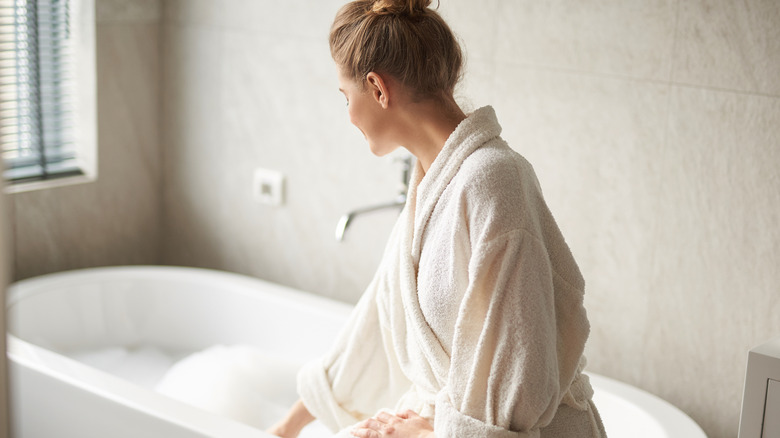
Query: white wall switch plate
268	187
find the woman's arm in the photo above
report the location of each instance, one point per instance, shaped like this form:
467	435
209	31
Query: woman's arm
290	426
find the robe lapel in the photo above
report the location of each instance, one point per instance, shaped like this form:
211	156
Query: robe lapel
424	193
480	127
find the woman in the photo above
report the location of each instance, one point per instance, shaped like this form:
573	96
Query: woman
473	325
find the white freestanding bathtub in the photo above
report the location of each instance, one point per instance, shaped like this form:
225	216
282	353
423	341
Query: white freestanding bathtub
89	348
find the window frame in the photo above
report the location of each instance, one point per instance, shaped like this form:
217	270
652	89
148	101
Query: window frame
83	113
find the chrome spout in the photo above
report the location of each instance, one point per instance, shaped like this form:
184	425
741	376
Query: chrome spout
399	202
346	220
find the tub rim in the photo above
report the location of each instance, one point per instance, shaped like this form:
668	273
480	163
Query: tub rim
676	422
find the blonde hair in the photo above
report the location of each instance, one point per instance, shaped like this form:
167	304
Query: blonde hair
402	38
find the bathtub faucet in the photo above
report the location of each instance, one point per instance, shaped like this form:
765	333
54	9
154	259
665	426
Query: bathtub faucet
398	202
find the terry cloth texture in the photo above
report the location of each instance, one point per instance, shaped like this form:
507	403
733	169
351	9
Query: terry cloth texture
474	318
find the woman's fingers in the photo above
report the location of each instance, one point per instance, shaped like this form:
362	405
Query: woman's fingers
373	427
407	414
365	433
386	417
385	424
374	424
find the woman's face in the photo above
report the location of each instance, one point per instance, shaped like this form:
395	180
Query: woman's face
366	113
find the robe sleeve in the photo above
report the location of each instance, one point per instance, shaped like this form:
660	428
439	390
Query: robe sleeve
519	336
358	376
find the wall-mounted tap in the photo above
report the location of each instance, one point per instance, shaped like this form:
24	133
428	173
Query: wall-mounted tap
398	202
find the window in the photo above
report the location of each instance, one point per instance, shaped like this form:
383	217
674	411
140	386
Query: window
41	97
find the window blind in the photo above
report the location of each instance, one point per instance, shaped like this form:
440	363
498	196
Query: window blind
36	89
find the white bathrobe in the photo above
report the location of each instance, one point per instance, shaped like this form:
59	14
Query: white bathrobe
475	317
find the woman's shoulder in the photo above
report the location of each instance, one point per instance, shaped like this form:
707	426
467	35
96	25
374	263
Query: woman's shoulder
496	169
500	190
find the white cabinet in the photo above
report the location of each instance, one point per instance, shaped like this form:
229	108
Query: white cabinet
772	410
761	401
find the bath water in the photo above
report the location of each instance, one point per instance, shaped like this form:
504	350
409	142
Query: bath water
238	382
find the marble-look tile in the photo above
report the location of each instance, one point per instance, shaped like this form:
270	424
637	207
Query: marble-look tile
477	87
474	23
194	12
729	45
6	270
7	237
83	226
669	198
628	38
128	11
297	18
283	111
191	149
589	139
50	230
130	162
128	66
715	260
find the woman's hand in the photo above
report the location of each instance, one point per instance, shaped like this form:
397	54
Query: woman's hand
404	425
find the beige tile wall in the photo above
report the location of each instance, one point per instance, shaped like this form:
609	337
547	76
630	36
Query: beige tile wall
729	45
5	279
240	96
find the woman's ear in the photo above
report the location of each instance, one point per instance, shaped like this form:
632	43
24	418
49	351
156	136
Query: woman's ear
378	89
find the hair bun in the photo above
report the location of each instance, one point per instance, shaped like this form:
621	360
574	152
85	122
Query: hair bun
400	7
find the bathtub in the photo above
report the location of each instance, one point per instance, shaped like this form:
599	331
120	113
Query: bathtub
88	350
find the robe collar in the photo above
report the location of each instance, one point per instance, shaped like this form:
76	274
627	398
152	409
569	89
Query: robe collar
425	189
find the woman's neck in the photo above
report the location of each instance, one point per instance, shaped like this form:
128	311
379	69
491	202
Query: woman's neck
426	127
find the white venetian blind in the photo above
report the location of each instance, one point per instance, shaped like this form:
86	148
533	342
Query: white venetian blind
36	89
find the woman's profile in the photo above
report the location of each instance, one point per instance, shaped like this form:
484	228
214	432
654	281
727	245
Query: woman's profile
474	324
